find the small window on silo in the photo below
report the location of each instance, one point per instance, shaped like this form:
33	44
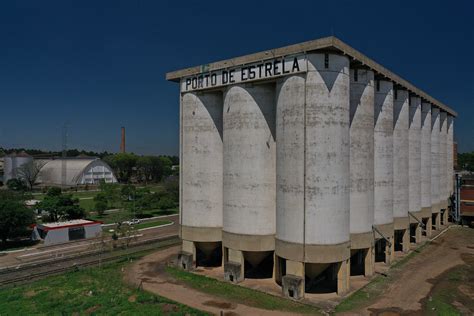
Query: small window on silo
326	60
356	75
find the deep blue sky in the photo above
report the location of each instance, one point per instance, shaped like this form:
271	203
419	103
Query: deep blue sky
98	65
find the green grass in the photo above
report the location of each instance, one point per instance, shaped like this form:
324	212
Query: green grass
85	194
88	204
239	294
152	224
438	306
124	215
88	291
446	291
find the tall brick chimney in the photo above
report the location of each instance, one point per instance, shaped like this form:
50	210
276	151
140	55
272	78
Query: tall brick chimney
122	142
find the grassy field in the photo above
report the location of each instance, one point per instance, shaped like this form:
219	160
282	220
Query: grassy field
239	294
453	293
143	225
123	215
89	291
152	224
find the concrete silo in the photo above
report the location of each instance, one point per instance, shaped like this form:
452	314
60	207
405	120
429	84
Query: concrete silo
450	153
435	172
383	171
414	169
443	172
362	171
317	258
426	167
400	170
249	180
201	178
318	166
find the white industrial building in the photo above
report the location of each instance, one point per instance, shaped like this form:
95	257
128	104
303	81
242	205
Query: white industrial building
61	232
307	164
75	171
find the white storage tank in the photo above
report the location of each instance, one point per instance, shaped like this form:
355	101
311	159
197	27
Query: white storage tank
362	171
12	163
426	166
201	176
249	179
443	161
400	170
435	168
450	153
313	173
383	170
414	168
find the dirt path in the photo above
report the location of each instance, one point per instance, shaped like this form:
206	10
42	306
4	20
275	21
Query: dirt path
415	280
150	272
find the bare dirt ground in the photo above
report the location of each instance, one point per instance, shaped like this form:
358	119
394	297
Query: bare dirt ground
406	292
410	289
149	273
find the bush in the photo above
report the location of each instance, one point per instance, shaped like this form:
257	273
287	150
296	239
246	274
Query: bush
165	203
17	185
100	207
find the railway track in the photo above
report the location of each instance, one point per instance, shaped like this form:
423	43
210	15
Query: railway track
28	273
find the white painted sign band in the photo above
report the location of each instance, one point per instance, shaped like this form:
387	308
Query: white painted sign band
271	68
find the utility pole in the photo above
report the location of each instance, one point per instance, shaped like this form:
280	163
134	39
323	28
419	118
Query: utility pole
64	155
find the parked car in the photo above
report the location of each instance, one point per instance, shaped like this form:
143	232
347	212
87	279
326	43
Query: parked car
133	221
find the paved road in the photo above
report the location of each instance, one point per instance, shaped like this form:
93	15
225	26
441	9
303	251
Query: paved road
41	252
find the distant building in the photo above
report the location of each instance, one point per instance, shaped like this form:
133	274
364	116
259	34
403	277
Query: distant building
77	171
61	232
12	162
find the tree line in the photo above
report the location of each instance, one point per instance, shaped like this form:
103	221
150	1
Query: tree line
129	167
466	161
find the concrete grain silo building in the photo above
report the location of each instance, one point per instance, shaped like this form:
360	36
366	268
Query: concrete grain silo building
307	164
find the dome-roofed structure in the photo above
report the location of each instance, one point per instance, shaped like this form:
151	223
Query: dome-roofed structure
78	171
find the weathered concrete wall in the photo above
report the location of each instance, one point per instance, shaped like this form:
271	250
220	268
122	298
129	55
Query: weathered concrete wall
435	172
400	154
449	153
361	151
383	153
443	157
290	169
327	150
202	160
425	155
249	160
414	156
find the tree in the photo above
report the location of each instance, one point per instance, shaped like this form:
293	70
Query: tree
29	172
128	192
61	206
101	203
111	192
167	164
15	217
123	164
17	185
466	161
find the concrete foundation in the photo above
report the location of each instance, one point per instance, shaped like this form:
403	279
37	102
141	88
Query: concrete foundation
362	262
436	221
293	287
187	248
385	249
415	232
233	265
